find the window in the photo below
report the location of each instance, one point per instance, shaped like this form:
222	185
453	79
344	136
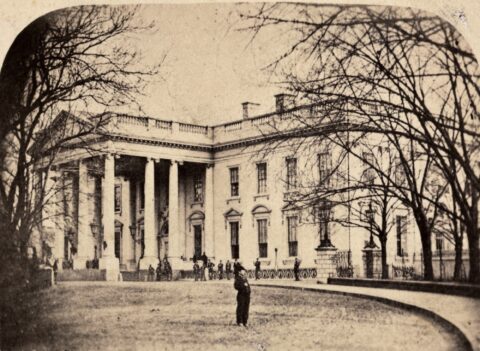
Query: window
399	173
439	242
369	171
117	242
292	236
118	198
142	196
234	191
325	168
291	173
401	235
197	188
262	238
261	178
234	240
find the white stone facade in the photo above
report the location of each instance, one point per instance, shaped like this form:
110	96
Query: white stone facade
149	189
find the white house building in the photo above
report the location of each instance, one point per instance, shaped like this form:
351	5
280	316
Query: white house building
145	189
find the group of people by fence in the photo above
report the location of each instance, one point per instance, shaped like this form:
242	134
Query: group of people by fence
163	270
205	269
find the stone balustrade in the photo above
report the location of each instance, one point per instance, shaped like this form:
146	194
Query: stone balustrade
223	133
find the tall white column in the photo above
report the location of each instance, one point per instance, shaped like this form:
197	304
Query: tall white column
209	224
173	227
53	223
108	261
150	256
84	231
127	249
137	244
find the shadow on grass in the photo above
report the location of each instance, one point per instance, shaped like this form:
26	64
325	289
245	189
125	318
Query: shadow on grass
23	317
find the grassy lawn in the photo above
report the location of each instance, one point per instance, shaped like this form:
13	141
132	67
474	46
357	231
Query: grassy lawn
201	316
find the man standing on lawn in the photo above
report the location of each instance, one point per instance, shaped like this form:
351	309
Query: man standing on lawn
220	270
228	269
296	268
243	297
196	271
257	269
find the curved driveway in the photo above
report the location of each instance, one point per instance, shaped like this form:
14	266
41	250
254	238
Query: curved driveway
461	314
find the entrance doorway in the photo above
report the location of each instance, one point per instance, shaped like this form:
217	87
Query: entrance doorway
197	229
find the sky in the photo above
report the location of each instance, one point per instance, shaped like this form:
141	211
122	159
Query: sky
211	66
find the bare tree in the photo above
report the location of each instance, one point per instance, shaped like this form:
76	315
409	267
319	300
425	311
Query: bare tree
414	66
69	60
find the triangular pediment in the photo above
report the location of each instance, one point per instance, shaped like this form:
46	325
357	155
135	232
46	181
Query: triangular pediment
290	207
232	213
68	129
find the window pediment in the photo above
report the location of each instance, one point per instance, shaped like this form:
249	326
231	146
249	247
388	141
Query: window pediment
232	213
290	207
197	216
118	224
260	210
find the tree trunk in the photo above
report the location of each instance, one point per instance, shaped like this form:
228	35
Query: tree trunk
426	238
457	273
383	246
474	253
427	259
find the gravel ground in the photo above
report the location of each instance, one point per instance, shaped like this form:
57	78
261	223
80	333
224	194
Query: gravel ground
201	316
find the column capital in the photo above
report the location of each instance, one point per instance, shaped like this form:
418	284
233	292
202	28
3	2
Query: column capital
178	162
210	165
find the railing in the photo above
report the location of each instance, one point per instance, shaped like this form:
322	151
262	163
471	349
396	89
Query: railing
405	272
283	273
261	120
159	124
132	120
342	261
233	126
192	128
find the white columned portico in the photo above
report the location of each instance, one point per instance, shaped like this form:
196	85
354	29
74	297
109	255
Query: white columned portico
173	215
209	224
84	231
150	256
108	261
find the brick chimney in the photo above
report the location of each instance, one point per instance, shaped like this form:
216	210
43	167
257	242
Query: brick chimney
249	109
284	102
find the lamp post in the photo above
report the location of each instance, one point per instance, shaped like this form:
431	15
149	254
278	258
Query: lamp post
276	265
370	216
96	229
324	212
439	238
